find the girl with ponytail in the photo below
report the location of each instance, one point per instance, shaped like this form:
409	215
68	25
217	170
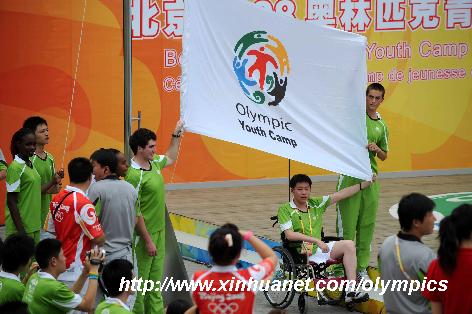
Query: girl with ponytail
451	273
232	290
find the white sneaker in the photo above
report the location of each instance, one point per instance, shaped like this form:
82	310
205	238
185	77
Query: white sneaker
362	274
355	297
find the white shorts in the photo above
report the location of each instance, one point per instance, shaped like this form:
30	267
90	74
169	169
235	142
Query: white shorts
320	256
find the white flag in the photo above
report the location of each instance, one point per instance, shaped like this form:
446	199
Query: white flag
270	82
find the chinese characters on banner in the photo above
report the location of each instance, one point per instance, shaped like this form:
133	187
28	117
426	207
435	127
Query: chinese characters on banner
152	18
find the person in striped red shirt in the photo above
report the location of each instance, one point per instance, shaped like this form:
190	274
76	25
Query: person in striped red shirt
73	219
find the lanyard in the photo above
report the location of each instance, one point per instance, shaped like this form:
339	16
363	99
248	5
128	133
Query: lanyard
399	259
301	221
303	226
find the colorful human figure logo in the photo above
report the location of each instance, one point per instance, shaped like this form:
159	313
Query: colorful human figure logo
261	66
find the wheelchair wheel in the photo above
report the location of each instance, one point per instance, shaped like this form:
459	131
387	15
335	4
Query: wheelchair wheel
302	308
284	270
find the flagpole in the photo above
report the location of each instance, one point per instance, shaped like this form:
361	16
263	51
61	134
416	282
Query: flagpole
127	55
289	179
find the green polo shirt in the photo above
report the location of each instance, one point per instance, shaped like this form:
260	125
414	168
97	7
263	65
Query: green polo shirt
11	288
309	223
25	181
112	306
46	295
151	192
45	168
377	132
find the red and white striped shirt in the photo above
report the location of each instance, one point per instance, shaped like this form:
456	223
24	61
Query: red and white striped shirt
232	291
75	224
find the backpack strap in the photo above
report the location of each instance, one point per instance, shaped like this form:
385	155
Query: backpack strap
59	205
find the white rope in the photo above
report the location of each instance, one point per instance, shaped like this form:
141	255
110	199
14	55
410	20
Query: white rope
73	85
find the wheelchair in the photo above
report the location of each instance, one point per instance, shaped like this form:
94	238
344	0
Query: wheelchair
295	266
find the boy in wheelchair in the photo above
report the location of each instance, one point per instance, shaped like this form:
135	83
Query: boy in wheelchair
301	222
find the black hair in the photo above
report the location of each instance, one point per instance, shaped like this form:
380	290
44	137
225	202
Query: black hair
95	152
178	306
1	251
18	138
80	170
105	157
375	86
17	251
114	151
14	307
453	230
33	122
413	206
221	253
113	273
299	178
45	250
140	138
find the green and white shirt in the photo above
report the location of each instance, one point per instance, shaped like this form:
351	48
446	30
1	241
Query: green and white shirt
25	181
377	132
45	169
151	193
46	295
11	287
308	223
3	162
112	306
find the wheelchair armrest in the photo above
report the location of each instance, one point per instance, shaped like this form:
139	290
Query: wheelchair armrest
330	239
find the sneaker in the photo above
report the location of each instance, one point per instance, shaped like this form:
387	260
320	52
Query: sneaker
362	275
355	297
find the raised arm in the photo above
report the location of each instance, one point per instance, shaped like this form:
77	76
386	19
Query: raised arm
90	271
261	248
350	191
173	149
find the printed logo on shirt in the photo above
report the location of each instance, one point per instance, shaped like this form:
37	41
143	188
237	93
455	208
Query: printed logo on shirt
223	308
60	212
261	66
32	286
87	213
59	216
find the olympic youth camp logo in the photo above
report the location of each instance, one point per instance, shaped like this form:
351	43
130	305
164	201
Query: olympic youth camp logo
261	67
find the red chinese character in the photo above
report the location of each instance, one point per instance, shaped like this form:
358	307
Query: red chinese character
321	11
266	4
390	14
144	23
354	15
458	12
424	13
174	18
287	7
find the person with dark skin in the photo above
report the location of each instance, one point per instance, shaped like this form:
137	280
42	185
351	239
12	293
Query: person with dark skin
123	164
43	162
24	189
